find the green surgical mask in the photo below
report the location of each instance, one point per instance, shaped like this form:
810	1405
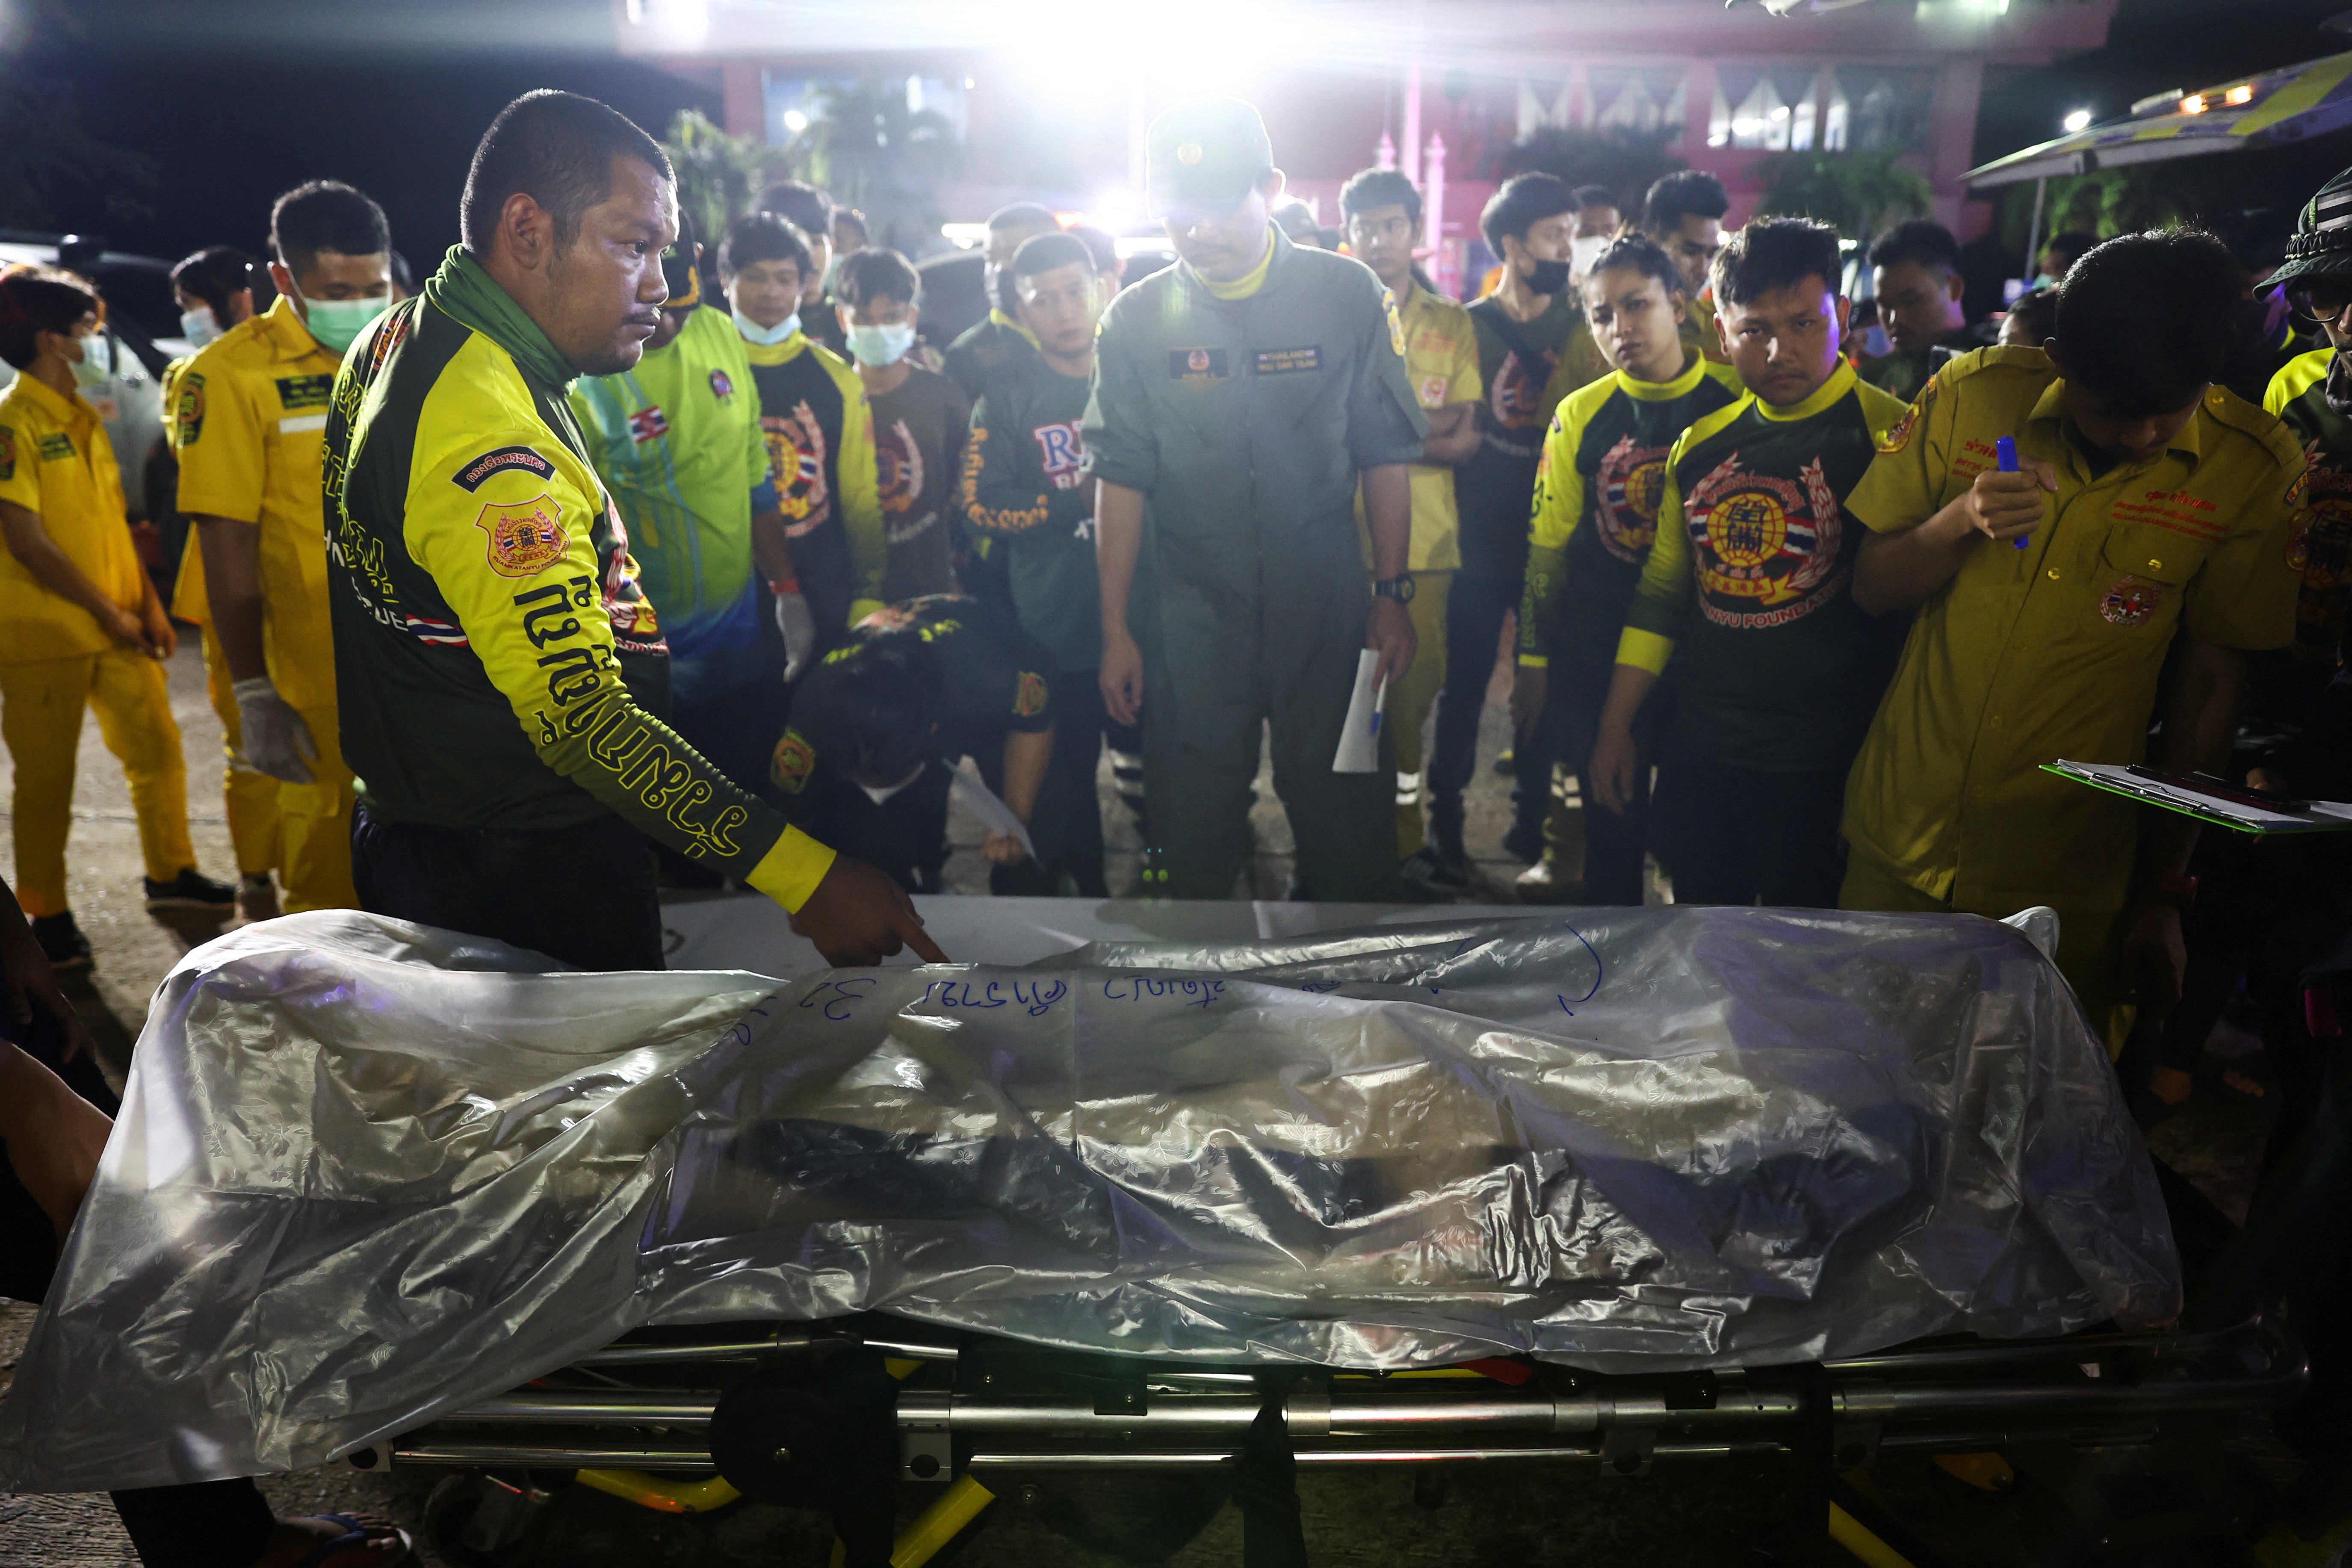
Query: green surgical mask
337	323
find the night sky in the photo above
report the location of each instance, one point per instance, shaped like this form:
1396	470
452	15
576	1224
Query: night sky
233	100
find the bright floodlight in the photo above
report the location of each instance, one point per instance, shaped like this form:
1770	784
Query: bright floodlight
795	121
2080	120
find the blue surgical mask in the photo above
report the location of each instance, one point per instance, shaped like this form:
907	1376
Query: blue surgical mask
96	362
767	337
881	345
337	323
200	326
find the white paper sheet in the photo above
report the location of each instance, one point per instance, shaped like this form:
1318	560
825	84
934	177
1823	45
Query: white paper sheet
981	802
1360	737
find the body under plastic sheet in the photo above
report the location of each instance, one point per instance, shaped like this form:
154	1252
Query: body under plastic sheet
366	1173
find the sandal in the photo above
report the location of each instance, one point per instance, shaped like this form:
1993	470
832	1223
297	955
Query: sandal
354	1535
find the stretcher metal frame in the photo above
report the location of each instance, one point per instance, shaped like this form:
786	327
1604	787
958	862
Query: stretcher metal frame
980	1413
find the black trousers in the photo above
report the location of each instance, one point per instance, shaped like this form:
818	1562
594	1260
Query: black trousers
583	896
1477	605
1738	835
1066	825
209	1524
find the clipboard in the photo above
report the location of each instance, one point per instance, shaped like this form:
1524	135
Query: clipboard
2233	811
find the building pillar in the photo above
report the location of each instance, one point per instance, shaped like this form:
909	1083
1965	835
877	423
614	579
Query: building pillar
1951	131
1411	141
744	100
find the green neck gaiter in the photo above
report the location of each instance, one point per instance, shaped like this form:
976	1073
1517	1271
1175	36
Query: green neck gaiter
462	289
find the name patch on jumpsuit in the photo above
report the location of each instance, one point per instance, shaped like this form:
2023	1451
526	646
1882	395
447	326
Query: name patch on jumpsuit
1197	364
1290	362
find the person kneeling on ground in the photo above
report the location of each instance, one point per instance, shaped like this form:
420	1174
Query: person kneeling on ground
879	725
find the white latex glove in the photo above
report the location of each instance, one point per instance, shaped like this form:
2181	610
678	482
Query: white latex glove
273	738
799	626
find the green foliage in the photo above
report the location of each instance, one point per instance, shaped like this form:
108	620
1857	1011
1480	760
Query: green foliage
1627	162
873	153
719	176
1860	192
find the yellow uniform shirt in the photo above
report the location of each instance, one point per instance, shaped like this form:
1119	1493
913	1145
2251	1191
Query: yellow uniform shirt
248	425
2028	656
55	461
1441	360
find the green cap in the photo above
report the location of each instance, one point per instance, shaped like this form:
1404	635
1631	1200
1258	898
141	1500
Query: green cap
1203	157
2322	246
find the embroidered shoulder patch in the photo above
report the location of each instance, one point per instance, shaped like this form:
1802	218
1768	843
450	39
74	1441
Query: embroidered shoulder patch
188	414
525	537
1029	698
794	761
475	472
1899	436
721	385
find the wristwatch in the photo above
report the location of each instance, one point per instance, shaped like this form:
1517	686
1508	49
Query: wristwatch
1399	588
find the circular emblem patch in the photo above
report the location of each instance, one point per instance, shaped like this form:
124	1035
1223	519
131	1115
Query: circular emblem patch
1631	482
1747	529
794	761
1197	361
1433	392
721	386
2130	603
1029	701
1189	153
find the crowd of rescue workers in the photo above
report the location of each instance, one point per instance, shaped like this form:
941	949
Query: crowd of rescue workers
613	557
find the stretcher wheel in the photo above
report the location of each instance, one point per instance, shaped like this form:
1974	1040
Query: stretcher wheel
472	1521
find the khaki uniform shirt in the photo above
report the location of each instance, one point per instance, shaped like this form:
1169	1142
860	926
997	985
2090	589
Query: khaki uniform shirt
2029	656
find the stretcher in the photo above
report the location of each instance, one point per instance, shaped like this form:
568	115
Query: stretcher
1608	1189
690	1422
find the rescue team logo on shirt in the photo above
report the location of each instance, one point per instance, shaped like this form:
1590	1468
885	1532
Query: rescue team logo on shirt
56	447
794	761
1517	400
721	386
2130	603
305	391
525	537
1060	449
1761	538
1630	484
636	629
188	414
648	424
1289	362
7	453
796	449
1900	436
475	472
1432	390
898	467
1197	366
1029	697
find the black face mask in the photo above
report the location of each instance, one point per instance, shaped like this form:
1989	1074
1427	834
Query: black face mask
1548	276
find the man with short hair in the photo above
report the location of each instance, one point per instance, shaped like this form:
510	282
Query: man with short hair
819	426
878	729
920	418
1683	213
1533	350
1598	489
2059	254
1915	272
249	431
998	340
811	211
1746	590
1597	222
1022	486
1246	394
1382	213
490	632
2151	521
678	441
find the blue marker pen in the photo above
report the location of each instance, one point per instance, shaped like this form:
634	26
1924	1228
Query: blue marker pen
2005	451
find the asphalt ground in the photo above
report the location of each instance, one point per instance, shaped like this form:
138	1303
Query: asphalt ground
1698	1517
